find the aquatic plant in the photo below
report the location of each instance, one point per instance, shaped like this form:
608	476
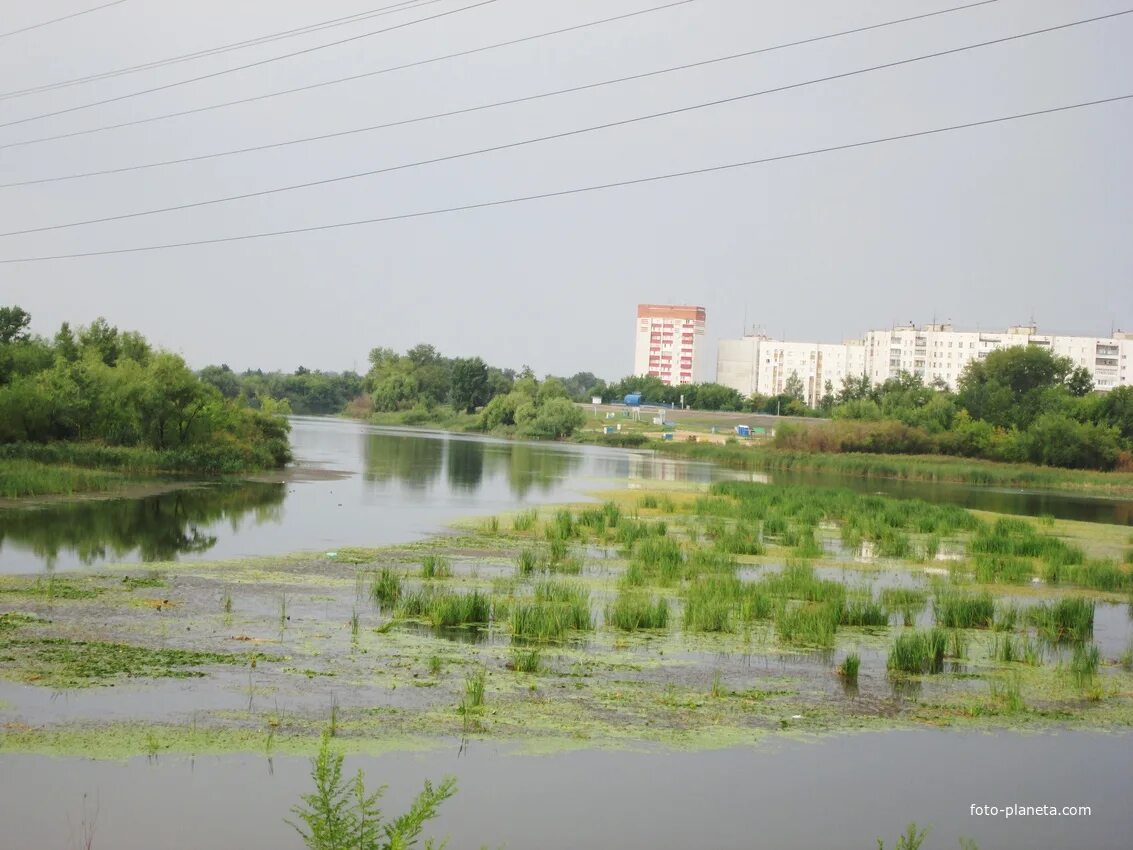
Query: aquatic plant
919	651
436	566
526	562
848	669
1084	662
459	609
525	660
1007	693
355	625
342	814
1002	569
1007	616
525	521
720	602
799	581
435	665
862	610
912	839
717	689
385	589
958	610
474	685
492	525
1068	619
557	608
807	624
632	611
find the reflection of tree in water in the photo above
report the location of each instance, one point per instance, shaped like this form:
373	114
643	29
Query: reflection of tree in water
415	461
535	466
159	528
465	464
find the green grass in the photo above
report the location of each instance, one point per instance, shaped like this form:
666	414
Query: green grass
862	610
721	603
525	521
809	624
556	609
919	651
474	686
797	580
1099	574
385	589
1070	619
436	566
634	611
22	478
525	660
1002	569
1084	664
527	562
848	669
958	610
459	609
660	558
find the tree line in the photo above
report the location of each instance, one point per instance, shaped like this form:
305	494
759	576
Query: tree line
99	384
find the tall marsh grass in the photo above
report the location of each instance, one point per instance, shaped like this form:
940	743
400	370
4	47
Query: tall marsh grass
633	611
919	651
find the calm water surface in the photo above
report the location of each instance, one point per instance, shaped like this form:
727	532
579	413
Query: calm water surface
840	793
365	486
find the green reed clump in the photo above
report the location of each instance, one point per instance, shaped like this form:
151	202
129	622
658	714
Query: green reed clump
892	543
1100	574
1002	569
958	644
633	576
475	683
931	547
647	501
741	539
525	660
633	611
436	566
557	550
774	525
862	610
525	521
708	562
1007	693
562	527
492	525
906	601
632	530
569	565
661	558
599	519
958	610
712	603
798	580
459	609
557	608
1084	663
807	624
808	546
1007	617
920	651
1068	619
526	562
848	669
416	604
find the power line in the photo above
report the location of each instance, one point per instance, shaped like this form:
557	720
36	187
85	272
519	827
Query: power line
402	6
64	18
496	104
565	192
245	67
337	80
556	136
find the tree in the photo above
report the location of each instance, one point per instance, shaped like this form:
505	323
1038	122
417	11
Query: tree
173	401
14	323
222	378
65	345
469	384
1115	409
1079	383
1012	386
716	397
101	338
793	388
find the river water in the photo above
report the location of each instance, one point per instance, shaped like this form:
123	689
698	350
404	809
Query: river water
360	485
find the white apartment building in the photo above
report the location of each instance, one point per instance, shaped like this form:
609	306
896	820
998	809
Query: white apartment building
756	364
759	364
669	343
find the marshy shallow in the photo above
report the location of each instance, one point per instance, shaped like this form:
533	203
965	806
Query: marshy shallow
709	624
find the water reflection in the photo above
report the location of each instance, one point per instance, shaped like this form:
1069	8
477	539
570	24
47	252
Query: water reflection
151	528
465	464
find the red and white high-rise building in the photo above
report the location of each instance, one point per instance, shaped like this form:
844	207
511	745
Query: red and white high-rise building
668	343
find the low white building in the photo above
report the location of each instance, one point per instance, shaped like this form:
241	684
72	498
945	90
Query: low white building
757	364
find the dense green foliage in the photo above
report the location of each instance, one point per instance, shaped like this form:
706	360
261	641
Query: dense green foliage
110	388
1019	404
305	391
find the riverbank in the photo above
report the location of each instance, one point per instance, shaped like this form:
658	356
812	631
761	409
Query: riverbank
928	468
30	470
661	618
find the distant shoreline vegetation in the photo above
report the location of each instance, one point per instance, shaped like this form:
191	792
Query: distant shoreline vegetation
101	399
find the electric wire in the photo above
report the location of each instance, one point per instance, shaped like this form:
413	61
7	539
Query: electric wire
63	18
310	86
485	106
256	64
561	135
578	190
403	6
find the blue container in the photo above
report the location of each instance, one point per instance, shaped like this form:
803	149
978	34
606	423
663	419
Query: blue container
667	436
633	399
743	430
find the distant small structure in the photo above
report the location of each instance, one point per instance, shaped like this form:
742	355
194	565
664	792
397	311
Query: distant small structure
633	400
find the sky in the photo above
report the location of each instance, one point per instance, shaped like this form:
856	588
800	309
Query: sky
984	227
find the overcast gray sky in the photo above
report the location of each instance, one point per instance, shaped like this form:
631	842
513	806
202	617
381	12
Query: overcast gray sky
985	226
